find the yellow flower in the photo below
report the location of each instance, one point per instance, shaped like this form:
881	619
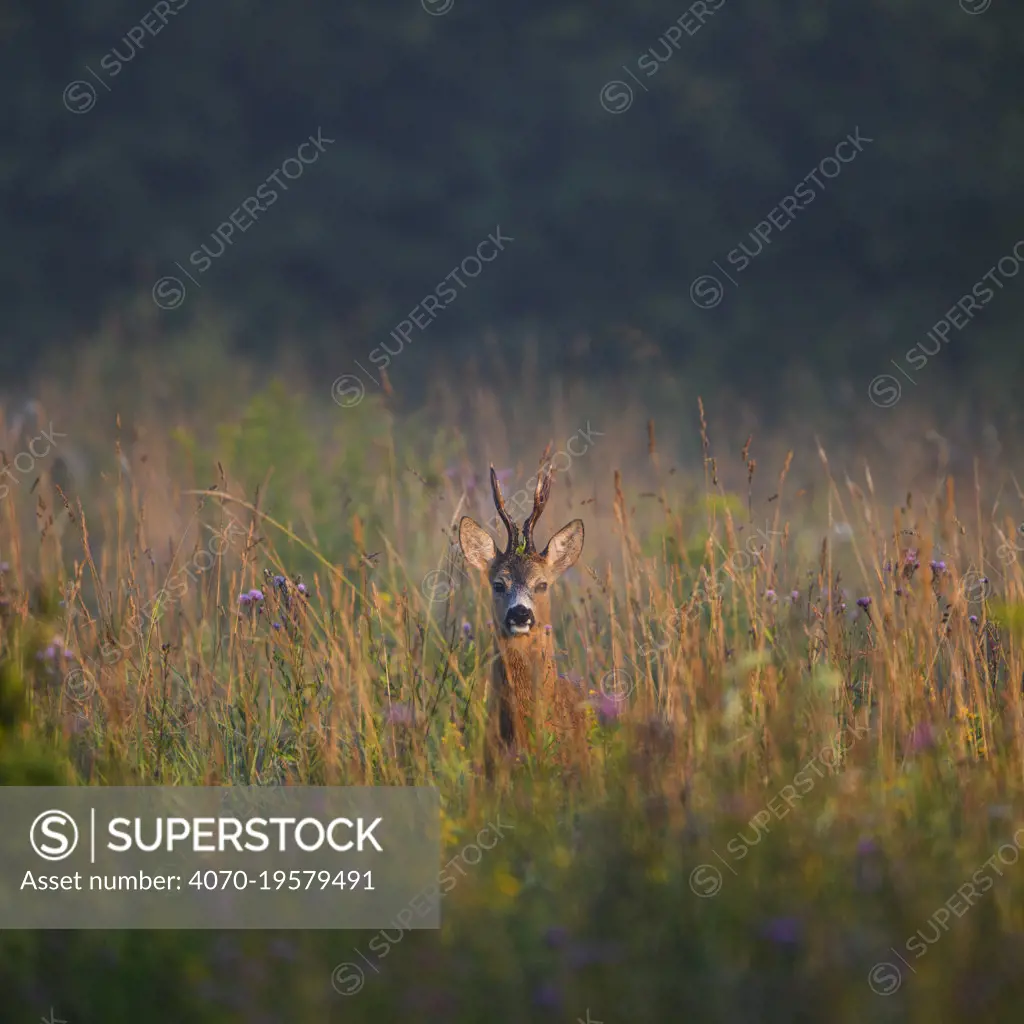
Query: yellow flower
657	873
449	830
507	885
814	868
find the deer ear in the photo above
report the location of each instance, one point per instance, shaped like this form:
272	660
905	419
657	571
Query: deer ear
476	543
565	547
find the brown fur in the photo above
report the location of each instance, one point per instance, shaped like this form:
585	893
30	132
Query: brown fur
527	699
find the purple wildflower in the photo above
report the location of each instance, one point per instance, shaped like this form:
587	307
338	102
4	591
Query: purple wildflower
460	478
864	602
921	737
785	931
608	708
548	996
255	595
301	588
794	596
974	619
937	567
467	630
283	949
547	627
275	625
870	866
399	714
50	653
244	599
770	596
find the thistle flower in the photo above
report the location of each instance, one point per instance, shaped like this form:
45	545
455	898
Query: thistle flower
864	602
794	596
608	708
255	595
770	596
301	588
244	599
399	714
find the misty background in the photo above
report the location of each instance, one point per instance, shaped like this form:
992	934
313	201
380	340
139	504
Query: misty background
624	149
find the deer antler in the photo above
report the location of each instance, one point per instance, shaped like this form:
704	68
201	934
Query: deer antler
499	503
540	499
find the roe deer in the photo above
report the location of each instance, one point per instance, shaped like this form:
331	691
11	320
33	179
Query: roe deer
524	680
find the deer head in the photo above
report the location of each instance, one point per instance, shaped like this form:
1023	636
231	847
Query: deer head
520	575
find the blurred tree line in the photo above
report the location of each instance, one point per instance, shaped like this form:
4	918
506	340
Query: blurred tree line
131	132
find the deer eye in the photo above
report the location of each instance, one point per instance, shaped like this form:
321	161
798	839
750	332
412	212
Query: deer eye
540	588
499	586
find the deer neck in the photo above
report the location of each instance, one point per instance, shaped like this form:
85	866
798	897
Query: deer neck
525	661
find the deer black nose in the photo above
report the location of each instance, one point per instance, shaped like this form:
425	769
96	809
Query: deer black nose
520	615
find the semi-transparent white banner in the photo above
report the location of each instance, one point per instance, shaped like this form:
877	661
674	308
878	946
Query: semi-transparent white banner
170	857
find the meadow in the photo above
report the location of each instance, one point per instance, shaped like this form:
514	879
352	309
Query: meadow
803	797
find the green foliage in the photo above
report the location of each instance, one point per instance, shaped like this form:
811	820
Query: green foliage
271	440
26	757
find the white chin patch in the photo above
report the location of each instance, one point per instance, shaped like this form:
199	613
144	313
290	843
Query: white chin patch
518	630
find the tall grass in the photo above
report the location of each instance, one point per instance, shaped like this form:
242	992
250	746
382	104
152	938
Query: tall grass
804	706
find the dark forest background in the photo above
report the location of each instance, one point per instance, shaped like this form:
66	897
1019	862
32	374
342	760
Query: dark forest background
490	114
